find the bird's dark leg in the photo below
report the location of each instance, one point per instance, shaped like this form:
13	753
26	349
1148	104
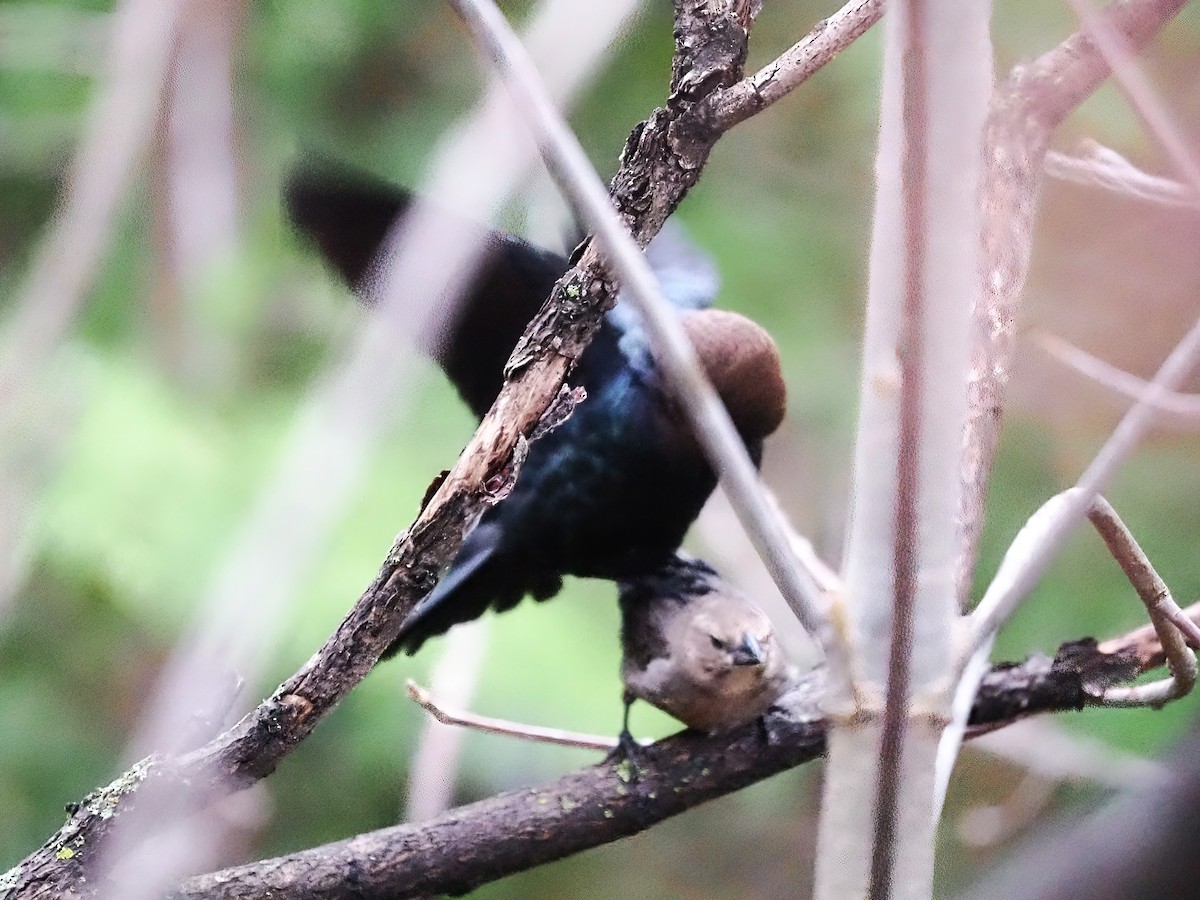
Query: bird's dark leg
766	733
628	750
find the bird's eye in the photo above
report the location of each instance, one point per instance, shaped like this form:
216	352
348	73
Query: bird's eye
716	642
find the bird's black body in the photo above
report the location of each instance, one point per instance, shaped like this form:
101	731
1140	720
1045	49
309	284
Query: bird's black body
609	493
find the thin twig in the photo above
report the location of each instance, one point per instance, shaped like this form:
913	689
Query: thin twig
1175	631
1139	92
1143	644
792	68
1023	569
1051	749
1184	409
435	761
574	174
1099	166
449	715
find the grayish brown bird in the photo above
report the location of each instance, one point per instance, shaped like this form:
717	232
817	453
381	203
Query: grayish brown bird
698	649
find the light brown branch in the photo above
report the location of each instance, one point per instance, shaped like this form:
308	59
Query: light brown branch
1026	109
791	69
1176	633
466	719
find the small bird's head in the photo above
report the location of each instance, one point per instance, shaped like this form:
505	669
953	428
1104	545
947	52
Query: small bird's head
725	635
742	362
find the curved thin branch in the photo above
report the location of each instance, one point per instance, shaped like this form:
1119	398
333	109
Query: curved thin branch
1183	410
1102	167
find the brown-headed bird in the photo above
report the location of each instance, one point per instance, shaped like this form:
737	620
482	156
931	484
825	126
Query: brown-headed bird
698	649
610	492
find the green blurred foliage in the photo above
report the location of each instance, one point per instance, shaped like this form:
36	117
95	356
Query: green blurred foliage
176	402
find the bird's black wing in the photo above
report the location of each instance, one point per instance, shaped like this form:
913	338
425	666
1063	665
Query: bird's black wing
348	216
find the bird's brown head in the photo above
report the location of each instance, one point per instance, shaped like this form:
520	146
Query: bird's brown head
742	362
724	633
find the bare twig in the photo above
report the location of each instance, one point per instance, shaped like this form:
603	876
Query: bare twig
986	825
1176	632
434	764
791	69
1183	409
1099	166
1145	100
465	719
1052	750
575	176
1024	565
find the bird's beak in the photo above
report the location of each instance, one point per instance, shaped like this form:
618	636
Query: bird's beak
748	653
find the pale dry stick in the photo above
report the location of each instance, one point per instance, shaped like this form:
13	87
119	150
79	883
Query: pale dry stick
986	825
574	174
903	538
1024	566
795	66
1183	409
1099	166
1139	92
116	132
1176	632
1050	749
434	762
449	715
201	139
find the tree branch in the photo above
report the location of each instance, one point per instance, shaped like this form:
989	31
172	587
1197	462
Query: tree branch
1026	109
520	829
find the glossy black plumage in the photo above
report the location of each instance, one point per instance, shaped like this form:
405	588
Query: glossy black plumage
611	492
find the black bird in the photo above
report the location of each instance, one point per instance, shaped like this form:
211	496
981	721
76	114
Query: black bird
610	492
